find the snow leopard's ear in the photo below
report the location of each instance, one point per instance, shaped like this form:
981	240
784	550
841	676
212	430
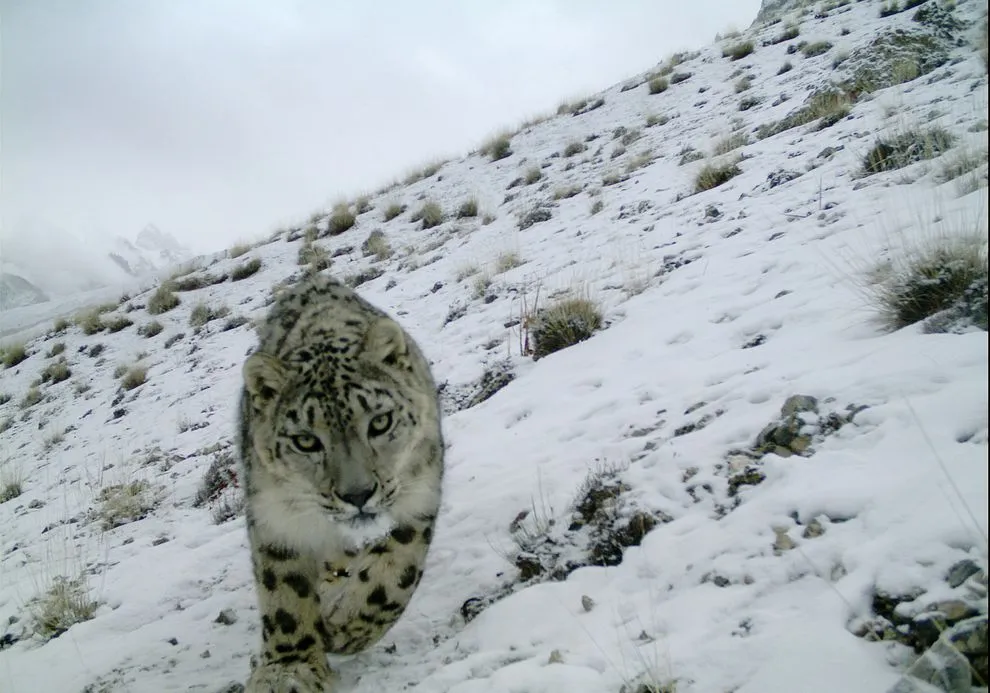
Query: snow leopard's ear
385	342
264	376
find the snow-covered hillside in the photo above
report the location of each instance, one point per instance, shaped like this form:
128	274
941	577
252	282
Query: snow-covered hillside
797	494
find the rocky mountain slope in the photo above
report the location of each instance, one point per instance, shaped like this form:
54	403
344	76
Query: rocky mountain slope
746	478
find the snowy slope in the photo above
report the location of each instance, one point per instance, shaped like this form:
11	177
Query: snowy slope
715	318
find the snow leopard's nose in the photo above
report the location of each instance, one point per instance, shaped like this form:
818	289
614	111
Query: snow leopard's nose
358	497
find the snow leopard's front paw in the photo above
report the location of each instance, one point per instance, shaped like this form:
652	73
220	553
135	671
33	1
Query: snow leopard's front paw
291	677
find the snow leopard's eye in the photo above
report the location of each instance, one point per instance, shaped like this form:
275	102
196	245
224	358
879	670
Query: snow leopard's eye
380	424
306	442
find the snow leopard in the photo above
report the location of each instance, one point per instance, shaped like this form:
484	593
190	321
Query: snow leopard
342	460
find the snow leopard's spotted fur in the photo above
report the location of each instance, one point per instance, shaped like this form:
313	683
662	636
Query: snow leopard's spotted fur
343	459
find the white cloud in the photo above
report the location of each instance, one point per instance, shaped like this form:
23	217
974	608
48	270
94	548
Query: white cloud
220	120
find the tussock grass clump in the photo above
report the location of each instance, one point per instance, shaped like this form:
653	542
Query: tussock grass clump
786	67
56	372
730	143
427	171
31	398
163	300
65	603
203	313
656	119
743	83
960	163
193	282
4	397
596	207
507	260
116	323
245	269
392	210
13	354
658	85
562	324
898	151
60	326
119	504
942	281
89	322
468	208
238	249
566	191
11	479
430	214
738	51
498	147
533	174
133	377
377	244
362	204
640	160
810	50
57	348
789	33
341	219
828	107
573	148
150	329
714	174
317	257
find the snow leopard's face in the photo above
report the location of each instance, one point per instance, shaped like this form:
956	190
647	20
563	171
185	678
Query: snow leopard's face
349	439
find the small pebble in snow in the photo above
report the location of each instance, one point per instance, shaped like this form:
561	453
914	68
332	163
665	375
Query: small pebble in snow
226	617
782	542
587	603
172	641
159	541
814	529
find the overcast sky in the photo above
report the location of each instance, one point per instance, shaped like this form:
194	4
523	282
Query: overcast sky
219	120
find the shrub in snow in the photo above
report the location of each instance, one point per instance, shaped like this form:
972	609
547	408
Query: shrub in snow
65	603
13	354
119	504
163	300
431	214
714	174
392	210
341	219
245	269
468	208
562	324
738	51
944	280
203	313
376	244
498	147
892	153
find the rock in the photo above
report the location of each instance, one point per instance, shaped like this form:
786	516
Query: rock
813	529
799	403
750	476
960	572
226	617
950	663
953	609
783	542
587	603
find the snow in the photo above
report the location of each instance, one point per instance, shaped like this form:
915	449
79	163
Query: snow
901	491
